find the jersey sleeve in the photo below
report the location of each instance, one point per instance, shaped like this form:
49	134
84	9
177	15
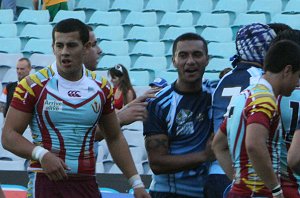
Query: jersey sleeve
155	123
24	97
108	91
261	109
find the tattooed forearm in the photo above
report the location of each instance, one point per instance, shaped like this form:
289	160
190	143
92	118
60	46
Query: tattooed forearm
156	144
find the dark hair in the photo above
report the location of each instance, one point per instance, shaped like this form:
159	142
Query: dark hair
189	36
25	59
289	34
90	29
71	25
280	54
125	84
279	27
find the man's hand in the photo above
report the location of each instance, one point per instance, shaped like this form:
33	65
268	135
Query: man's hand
54	167
141	193
135	110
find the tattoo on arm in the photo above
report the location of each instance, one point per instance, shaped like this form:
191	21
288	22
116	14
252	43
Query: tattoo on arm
156	144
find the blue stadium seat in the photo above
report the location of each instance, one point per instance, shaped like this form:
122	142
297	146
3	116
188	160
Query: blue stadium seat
109	33
172	33
173	19
125	7
8	61
292	20
150	63
114	48
233	7
10	76
110	61
65	14
169	76
39	61
22	5
245	19
161	7
40	46
196	7
35	31
273	7
218	64
221	50
143	19
101	18
40	17
90	6
10	45
292	7
137	34
147	49
6	16
139	78
211	75
8	30
217	34
212	20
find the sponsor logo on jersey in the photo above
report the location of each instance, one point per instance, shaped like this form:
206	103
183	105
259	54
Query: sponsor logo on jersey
52	105
74	93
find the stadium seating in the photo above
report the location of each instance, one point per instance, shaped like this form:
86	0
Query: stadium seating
6	16
39	61
140	78
125	7
8	30
35	31
109	33
292	7
245	19
41	46
212	20
218	64
196	7
143	48
114	48
10	45
27	16
161	7
292	20
101	18
90	6
226	6
10	76
268	7
108	61
64	14
221	50
169	76
217	34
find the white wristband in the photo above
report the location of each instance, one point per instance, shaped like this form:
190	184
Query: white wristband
38	153
136	182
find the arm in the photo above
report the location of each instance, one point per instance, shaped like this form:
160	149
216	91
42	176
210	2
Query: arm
293	157
221	150
118	148
12	140
161	161
35	4
256	137
129	95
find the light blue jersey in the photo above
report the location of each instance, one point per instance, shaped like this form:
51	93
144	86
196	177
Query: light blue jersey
65	114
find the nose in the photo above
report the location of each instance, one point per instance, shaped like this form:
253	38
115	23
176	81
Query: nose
190	60
99	50
65	51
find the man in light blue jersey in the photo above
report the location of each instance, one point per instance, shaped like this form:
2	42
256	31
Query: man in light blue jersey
63	104
247	145
290	115
178	127
252	42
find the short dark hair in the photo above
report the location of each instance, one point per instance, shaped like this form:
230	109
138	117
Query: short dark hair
289	34
189	36
90	29
279	27
72	25
280	54
25	59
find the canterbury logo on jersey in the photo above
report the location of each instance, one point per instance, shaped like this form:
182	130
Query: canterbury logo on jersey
74	93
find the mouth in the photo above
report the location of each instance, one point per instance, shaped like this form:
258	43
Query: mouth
66	62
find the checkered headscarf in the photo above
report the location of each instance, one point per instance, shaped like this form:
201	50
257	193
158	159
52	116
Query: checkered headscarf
253	41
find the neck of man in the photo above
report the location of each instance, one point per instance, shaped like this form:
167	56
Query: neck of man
188	87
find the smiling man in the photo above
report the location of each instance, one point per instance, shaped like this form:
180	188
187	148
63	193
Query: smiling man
63	104
178	127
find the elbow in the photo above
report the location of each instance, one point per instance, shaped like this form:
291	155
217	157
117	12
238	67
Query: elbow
294	163
156	169
251	149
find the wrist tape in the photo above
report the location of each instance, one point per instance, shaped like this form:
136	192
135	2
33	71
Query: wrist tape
38	153
136	182
276	191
